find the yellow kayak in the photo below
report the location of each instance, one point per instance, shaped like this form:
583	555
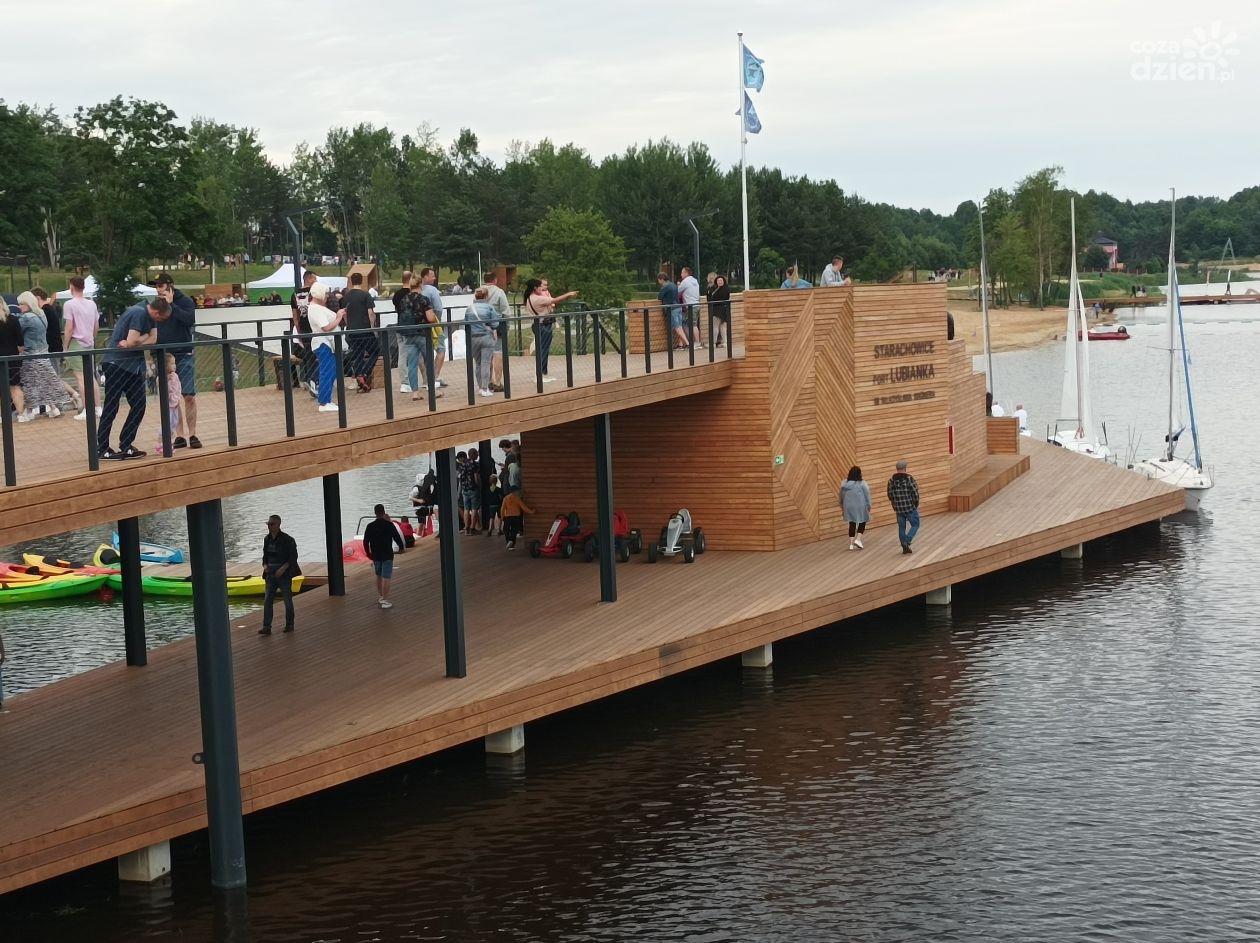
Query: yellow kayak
182	585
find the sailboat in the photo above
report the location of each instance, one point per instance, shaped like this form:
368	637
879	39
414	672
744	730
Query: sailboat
1081	436
1182	473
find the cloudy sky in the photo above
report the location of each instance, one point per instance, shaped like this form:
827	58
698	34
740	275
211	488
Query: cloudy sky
911	102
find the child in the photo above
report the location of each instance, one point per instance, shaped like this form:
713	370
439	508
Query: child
513	510
174	397
493	519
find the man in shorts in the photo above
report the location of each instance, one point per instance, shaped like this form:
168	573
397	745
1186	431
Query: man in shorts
379	538
178	329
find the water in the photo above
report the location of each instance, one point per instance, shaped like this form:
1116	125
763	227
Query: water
1068	753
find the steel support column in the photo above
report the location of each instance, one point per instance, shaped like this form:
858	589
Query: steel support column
485	461
604	502
219	752
332	535
133	600
452	578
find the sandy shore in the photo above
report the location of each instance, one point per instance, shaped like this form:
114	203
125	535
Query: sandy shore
1009	328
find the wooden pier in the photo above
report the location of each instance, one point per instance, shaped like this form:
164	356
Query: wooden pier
105	757
755	446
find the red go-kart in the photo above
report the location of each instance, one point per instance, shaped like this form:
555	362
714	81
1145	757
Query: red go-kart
562	537
626	540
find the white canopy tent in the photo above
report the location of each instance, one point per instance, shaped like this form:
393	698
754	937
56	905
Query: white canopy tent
89	290
283	278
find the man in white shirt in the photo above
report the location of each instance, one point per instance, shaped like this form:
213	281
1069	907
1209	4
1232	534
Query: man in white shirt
689	294
428	288
832	275
497	299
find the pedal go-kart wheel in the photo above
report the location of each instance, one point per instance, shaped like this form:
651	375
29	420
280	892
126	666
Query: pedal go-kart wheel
566	549
697	537
636	542
653	550
589	550
623	552
535	548
689	553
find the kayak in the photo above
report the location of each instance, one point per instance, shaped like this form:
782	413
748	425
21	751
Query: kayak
352	550
55	587
182	585
43	566
17	571
155	553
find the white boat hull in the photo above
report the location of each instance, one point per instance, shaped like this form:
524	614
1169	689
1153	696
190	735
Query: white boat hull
1080	446
1179	473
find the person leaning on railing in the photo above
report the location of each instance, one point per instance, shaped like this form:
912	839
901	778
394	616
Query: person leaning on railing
541	306
483	336
323	323
719	309
414	311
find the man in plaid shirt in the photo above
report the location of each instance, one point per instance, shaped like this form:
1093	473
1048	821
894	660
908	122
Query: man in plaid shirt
903	495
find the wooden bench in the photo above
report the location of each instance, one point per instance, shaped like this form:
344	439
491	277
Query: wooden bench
998	472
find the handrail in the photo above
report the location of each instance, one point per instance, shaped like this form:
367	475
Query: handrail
611	327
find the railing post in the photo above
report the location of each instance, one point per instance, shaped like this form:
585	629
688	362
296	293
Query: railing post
669	343
286	370
599	350
339	350
712	350
730	329
622	331
568	350
89	409
262	355
468	362
536	329
647	341
229	392
164	404
387	374
604	500
6	430
507	365
691	333
429	363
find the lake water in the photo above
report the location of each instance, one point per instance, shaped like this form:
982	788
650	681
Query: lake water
1068	753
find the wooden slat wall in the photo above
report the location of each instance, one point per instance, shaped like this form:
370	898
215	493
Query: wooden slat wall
803	391
1002	435
660	324
966	414
917	430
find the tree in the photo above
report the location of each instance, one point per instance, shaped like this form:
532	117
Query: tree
1095	259
1010	259
384	216
577	249
766	268
1036	200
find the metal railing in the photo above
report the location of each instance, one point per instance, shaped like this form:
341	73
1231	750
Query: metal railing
596	344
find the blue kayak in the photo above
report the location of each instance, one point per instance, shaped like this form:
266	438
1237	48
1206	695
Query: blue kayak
155	553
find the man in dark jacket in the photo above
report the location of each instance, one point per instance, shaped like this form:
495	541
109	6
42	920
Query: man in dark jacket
179	330
280	565
903	495
379	538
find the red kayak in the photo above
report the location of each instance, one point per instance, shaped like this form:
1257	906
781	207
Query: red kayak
1109	333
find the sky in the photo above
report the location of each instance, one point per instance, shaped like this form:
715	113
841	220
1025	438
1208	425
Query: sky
920	104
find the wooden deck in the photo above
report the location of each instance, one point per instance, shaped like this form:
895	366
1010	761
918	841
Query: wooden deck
100	764
56	492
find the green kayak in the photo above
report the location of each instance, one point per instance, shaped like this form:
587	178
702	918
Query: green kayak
182	585
56	588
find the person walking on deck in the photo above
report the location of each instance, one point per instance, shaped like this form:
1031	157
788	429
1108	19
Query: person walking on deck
280	565
855	499
513	511
903	495
81	320
379	538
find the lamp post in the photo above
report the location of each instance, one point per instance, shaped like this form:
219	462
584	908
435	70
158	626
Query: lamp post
695	234
297	240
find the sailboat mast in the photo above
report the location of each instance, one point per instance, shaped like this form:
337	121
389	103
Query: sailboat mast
1075	305
984	302
1174	303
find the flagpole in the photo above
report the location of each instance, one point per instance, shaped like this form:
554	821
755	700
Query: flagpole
984	302
743	167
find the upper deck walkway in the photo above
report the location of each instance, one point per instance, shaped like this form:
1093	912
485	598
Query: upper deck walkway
57	492
100	764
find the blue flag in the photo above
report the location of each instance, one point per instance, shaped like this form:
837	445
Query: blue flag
752	124
754	75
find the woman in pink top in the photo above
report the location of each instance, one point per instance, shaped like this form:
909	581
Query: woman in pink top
541	306
81	323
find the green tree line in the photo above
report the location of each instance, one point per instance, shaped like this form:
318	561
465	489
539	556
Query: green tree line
123	181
